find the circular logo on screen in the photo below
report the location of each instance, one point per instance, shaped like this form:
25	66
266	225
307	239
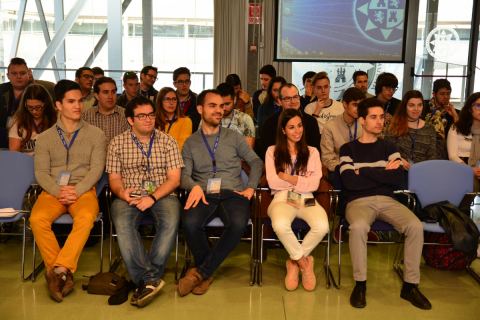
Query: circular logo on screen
439	43
380	21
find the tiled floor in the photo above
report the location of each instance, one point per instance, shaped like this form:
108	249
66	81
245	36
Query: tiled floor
454	295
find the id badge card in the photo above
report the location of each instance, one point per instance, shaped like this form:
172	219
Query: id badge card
214	185
294	198
63	178
148	186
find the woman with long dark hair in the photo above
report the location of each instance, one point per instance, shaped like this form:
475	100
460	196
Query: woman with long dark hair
34	115
415	139
294	171
271	104
170	118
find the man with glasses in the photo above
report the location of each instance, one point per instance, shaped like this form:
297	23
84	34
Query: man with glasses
289	99
130	88
148	76
323	108
144	167
385	87
106	115
360	81
84	77
20	77
188	99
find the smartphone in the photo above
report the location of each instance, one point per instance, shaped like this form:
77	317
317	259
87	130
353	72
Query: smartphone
309	202
135	195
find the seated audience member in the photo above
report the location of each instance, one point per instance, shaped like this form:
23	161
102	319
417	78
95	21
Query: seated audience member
84	77
97	74
441	114
20	77
130	88
323	108
463	141
340	130
371	170
271	104
266	74
307	96
69	160
293	172
233	118
212	157
144	167
289	99
242	99
188	98
34	115
385	86
415	140
106	115
170	118
148	77
360	81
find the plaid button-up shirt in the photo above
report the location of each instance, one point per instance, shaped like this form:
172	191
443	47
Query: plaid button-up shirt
112	124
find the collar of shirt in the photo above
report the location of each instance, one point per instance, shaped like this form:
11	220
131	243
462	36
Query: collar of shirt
80	124
115	110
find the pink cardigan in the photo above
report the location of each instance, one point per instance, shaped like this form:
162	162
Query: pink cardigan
306	183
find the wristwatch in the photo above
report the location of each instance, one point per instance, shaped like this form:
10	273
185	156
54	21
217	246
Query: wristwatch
153	198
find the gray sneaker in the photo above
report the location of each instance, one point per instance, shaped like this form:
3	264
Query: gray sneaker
145	294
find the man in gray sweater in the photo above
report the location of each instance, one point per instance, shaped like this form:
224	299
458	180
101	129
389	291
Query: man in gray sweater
69	160
212	158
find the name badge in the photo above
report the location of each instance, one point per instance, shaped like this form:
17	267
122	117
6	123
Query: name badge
148	186
294	198
63	178
214	185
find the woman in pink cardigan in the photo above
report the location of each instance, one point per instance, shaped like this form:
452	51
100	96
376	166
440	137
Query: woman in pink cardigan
293	173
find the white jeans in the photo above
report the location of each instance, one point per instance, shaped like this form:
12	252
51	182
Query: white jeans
282	214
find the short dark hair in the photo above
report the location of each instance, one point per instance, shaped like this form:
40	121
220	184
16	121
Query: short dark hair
63	86
135	103
353	94
203	94
233	79
79	71
358	73
102	80
129	75
286	85
98	70
385	79
226	90
17	61
268	69
441	84
148	68
366	104
179	71
307	75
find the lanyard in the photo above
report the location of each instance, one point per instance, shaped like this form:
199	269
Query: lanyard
171	122
231	120
354	136
139	146
413	138
292	171
64	142
215	146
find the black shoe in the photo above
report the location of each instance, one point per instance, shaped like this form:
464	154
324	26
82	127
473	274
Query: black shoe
146	293
415	297
358	296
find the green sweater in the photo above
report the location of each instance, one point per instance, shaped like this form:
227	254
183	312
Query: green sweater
86	159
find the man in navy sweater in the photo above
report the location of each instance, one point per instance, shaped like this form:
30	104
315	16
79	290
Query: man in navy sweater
371	169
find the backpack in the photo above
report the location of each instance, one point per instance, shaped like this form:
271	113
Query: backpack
105	283
443	256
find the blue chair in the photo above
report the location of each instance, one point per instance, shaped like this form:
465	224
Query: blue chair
439	180
16	170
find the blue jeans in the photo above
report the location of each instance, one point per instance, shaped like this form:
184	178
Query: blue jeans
143	266
233	210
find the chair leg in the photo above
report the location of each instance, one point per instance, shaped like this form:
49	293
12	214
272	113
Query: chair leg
474	274
101	244
176	257
339	255
23	248
252	257
260	260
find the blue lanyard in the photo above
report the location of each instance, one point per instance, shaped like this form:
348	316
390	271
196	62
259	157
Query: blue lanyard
231	120
139	146
171	122
64	142
354	136
215	146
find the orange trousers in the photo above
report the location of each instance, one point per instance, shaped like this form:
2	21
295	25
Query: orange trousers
46	210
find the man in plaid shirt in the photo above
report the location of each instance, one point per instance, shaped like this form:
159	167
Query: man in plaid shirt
144	167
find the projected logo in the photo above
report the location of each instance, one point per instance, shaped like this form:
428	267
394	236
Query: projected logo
441	43
380	20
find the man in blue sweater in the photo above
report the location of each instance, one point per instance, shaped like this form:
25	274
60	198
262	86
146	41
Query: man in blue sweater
371	170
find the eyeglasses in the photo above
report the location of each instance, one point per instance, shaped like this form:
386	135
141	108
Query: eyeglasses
182	82
144	116
87	76
35	108
476	106
391	88
17	74
174	100
151	76
290	99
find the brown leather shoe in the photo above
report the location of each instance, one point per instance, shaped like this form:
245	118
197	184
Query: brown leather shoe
191	279
69	284
202	288
55	284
